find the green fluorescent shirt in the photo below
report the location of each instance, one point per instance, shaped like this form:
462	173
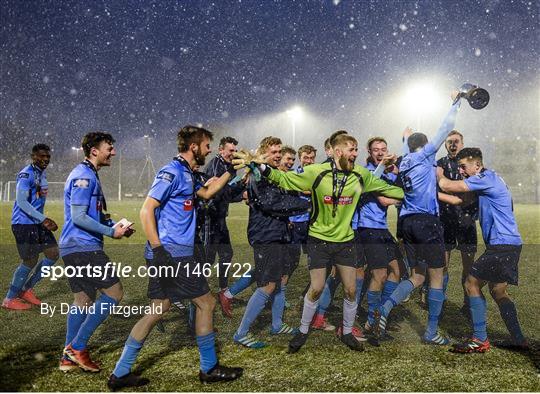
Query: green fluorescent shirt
317	178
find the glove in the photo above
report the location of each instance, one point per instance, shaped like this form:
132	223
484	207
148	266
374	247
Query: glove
245	158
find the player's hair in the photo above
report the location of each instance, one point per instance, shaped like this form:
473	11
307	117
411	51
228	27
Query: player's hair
267	142
287	149
336	134
37	147
470	154
227	140
416	140
327	144
94	139
370	142
343	139
191	135
455	132
306	149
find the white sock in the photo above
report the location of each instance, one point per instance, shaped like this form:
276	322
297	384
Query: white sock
349	312
228	294
310	307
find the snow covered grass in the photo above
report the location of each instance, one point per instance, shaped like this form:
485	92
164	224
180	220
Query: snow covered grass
30	344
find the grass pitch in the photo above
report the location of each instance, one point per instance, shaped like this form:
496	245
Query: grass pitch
30	343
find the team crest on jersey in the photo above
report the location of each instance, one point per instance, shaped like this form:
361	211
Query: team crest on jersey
166	176
188	205
343	200
24	175
81	183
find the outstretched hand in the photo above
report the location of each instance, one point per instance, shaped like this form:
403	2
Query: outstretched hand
244	158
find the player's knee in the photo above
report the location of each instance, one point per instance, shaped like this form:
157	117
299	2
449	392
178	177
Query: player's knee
315	293
499	295
380	275
52	253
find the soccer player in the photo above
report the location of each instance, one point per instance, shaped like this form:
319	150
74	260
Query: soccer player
269	208
287	158
220	240
335	188
81	245
32	231
498	265
168	219
458	222
380	248
421	227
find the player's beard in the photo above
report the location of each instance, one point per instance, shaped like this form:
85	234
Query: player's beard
199	159
345	164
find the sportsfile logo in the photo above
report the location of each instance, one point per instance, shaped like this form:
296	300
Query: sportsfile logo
343	200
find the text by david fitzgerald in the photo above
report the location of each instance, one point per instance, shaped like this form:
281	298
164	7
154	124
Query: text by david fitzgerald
125	310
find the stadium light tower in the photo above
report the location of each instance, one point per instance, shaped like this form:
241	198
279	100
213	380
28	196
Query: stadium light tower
148	162
295	114
76	151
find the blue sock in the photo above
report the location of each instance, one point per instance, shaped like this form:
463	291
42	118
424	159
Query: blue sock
446	278
74	321
207	351
131	350
388	289
38	275
374	302
326	298
435	301
17	283
93	320
278	306
359	285
509	315
242	283
254	307
478	315
400	293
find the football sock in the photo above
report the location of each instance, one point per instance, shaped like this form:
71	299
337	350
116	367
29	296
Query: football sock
242	283
19	277
325	299
374	302
359	290
349	313
388	289
509	315
278	306
254	307
307	314
74	320
207	351
227	293
478	315
38	275
131	350
400	293
446	278
435	300
93	320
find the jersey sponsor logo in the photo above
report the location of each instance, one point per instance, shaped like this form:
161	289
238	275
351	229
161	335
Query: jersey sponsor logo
343	200
24	175
188	205
81	183
166	176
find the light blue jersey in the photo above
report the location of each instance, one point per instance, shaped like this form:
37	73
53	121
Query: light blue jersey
497	219
175	187
372	214
305	216
31	180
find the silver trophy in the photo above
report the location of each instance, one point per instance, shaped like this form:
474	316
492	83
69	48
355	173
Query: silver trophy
477	97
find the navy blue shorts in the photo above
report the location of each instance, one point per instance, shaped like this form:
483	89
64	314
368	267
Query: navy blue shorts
89	283
324	254
183	280
271	263
423	240
380	248
459	234
32	239
361	259
498	264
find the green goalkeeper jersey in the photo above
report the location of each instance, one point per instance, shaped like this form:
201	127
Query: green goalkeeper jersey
319	180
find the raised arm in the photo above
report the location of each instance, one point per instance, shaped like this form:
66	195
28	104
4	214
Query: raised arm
446	127
291	180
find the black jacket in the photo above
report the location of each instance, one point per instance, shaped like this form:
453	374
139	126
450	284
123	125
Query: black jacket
269	211
217	167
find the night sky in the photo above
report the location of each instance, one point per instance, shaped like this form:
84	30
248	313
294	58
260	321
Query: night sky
142	67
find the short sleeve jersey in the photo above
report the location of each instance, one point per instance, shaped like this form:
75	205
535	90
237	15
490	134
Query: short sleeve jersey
33	180
497	219
305	216
82	188
419	177
372	212
174	187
